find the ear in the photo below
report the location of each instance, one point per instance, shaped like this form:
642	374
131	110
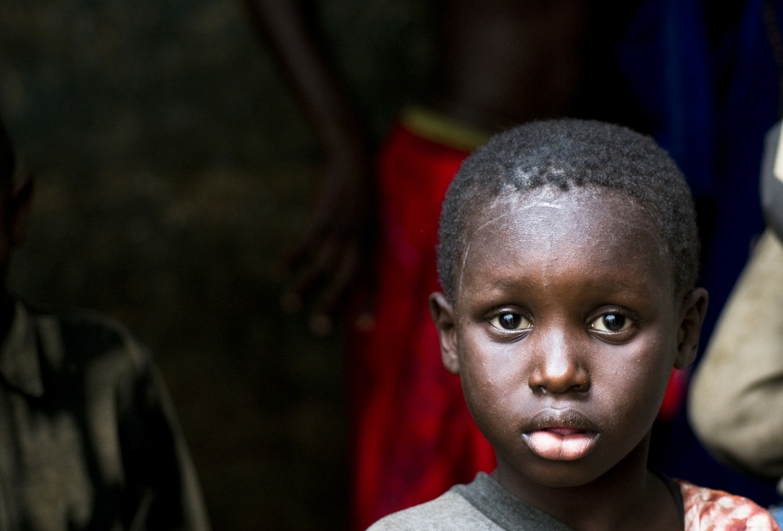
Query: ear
443	314
19	208
691	316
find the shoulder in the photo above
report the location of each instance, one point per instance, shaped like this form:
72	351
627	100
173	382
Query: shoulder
449	512
82	337
716	510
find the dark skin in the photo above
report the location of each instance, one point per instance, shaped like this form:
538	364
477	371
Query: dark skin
329	258
501	62
564	329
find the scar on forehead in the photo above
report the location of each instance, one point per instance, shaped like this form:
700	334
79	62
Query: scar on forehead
514	199
502	200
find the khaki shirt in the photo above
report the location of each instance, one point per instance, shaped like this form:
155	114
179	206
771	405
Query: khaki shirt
88	437
736	396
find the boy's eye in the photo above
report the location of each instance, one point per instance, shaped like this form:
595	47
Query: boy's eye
611	322
510	321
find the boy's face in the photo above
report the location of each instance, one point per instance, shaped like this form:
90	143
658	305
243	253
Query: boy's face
564	330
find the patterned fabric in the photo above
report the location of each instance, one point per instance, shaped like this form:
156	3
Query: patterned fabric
88	438
715	510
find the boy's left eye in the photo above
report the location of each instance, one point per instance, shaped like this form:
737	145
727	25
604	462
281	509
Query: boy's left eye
612	323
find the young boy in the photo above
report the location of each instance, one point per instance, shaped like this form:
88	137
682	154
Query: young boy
568	257
88	438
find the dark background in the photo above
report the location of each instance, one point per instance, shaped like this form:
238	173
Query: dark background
174	171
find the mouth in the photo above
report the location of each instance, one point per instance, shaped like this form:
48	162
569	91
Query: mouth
560	435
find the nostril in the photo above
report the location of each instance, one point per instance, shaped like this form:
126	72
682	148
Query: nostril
558	367
581	387
573	381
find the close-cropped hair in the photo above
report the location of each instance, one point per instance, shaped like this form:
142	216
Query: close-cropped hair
7	159
565	154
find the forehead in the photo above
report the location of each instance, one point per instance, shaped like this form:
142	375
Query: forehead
595	233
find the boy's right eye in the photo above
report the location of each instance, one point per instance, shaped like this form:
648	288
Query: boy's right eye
510	321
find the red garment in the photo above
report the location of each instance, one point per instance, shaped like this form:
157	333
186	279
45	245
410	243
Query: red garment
413	436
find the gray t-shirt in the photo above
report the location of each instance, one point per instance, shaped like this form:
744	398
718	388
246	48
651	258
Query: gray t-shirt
482	505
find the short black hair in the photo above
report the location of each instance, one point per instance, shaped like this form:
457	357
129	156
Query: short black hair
572	153
7	159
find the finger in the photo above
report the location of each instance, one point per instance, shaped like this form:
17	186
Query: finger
320	229
364	321
298	257
365	300
337	288
308	281
291	302
334	293
320	325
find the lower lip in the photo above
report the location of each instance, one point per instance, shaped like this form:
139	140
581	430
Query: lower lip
561	445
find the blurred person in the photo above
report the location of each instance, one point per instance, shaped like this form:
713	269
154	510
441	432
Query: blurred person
88	436
736	398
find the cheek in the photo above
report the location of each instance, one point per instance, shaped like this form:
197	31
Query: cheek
635	383
493	378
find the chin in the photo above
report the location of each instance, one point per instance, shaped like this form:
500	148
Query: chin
558	474
561	478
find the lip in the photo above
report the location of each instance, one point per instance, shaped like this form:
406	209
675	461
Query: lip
560	435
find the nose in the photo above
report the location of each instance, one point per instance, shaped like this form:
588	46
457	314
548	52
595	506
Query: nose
559	367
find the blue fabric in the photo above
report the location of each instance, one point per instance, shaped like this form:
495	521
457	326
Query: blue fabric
666	60
711	106
777	513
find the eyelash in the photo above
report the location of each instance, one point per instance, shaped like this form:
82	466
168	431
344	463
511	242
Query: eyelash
497	316
626	323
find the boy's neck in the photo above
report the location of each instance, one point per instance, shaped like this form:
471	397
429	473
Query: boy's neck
626	497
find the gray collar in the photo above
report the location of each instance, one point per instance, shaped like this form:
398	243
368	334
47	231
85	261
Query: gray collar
505	509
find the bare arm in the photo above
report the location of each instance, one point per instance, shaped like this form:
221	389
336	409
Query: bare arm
326	264
284	24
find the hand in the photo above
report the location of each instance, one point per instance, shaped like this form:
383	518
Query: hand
337	249
334	259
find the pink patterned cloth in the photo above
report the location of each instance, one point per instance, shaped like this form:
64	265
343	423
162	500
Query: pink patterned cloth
715	510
